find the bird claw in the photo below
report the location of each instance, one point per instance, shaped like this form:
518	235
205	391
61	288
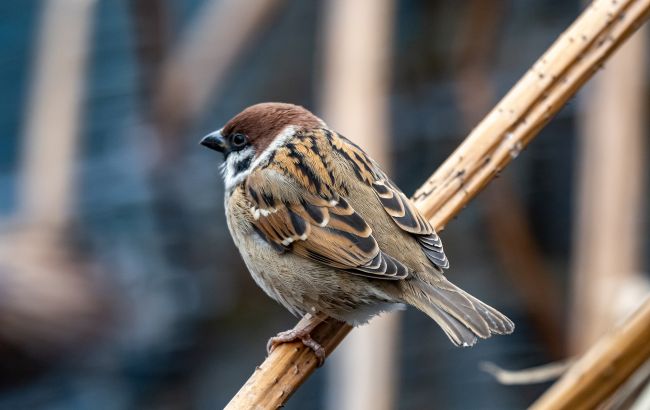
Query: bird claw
294	335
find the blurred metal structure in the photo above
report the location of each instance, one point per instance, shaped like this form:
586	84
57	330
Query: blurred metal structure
609	214
354	97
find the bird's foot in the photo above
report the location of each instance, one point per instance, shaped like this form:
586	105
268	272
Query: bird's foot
300	332
292	336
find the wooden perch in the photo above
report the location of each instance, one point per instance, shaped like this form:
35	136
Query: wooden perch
610	178
603	368
509	229
574	57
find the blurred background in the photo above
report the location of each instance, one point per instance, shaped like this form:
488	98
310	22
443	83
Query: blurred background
120	287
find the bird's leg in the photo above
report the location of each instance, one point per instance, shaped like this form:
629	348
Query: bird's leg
301	332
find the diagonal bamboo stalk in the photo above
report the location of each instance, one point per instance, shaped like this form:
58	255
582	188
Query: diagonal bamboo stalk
574	57
610	181
604	367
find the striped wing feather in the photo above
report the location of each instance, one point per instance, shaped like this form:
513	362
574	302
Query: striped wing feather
310	217
395	203
326	230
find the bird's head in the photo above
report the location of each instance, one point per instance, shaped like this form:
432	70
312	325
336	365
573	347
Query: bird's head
253	134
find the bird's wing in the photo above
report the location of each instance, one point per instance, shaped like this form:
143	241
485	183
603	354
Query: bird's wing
395	203
300	212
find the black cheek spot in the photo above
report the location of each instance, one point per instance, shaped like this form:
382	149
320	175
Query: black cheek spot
243	165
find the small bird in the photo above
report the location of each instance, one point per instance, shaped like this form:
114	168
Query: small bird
326	233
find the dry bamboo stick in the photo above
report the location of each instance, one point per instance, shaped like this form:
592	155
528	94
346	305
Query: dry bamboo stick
603	368
610	196
574	57
499	138
508	227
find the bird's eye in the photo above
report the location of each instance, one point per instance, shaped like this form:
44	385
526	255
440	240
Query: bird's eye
238	140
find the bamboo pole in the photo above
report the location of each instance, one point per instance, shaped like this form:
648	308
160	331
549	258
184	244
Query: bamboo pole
603	368
574	57
509	230
355	87
610	196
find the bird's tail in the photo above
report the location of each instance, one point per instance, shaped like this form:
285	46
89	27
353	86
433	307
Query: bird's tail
459	314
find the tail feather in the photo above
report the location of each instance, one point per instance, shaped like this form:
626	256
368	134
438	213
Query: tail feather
462	316
500	324
455	331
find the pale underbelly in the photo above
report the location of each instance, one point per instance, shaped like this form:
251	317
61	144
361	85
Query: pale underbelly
304	286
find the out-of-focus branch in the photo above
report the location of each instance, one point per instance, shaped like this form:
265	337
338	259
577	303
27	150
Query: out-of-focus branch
574	57
524	264
603	368
196	67
609	212
54	112
508	226
538	374
150	22
46	304
498	139
355	88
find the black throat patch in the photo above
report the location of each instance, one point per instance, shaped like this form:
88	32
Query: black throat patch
243	164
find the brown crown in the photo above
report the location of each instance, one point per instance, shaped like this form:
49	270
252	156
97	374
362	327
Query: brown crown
261	123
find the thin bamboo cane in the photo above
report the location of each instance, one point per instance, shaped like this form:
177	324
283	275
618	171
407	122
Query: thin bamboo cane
610	195
603	368
574	57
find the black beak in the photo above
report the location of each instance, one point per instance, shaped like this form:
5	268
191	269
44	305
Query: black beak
214	141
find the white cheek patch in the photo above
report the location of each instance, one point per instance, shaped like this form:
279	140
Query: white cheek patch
233	176
235	169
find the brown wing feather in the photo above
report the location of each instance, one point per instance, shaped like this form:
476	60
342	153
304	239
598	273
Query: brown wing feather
309	219
395	203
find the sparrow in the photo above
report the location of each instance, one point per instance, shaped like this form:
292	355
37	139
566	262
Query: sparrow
326	233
